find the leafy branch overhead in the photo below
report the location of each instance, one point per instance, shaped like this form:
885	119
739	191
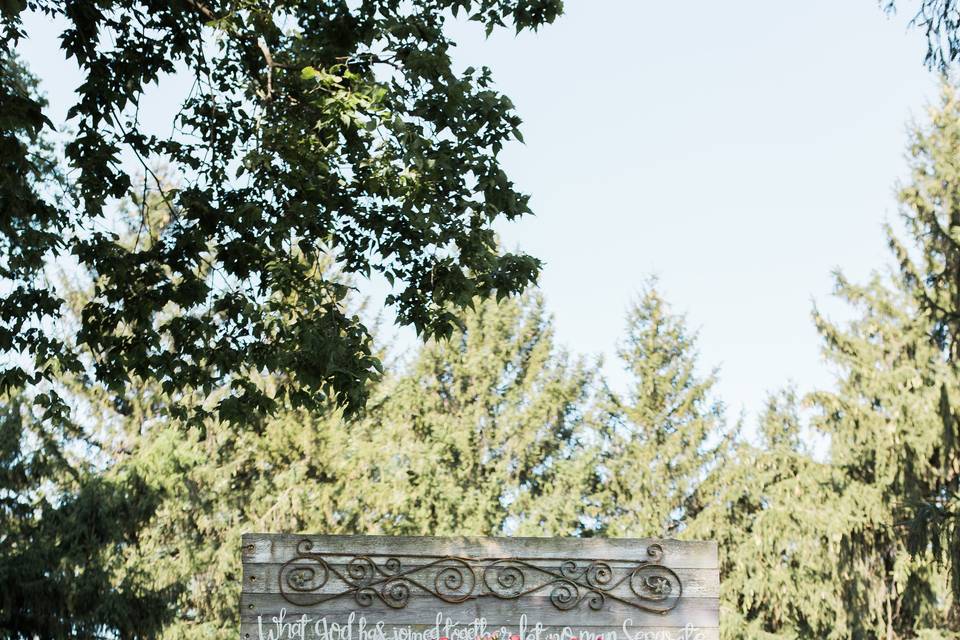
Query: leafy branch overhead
311	129
939	21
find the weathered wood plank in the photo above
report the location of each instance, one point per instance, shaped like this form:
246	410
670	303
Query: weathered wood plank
698	611
280	547
267	630
465	588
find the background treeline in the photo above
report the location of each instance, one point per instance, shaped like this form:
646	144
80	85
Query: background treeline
835	513
126	520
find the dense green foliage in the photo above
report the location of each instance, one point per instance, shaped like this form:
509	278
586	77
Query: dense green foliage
312	129
771	514
812	545
885	434
664	437
496	431
929	260
64	529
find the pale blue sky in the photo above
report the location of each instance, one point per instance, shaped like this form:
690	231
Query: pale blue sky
739	150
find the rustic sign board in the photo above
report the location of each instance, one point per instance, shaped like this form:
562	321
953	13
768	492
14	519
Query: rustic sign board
299	587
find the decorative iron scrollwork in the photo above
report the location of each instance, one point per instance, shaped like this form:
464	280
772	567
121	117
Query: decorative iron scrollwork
312	578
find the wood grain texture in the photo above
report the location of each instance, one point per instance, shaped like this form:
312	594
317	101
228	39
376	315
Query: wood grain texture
462	588
280	547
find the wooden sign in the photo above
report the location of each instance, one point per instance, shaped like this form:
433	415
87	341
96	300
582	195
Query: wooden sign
403	588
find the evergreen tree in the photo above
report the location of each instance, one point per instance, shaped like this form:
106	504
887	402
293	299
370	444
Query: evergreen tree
491	423
886	444
770	509
64	528
929	261
664	438
811	548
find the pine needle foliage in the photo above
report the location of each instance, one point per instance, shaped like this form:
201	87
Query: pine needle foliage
663	438
885	437
929	260
769	509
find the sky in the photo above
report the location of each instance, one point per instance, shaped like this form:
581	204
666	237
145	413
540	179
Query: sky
740	151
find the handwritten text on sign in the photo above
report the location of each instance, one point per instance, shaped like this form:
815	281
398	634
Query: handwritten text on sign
410	588
357	627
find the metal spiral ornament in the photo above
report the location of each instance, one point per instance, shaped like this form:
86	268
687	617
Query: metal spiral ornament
504	579
313	578
395	593
457	582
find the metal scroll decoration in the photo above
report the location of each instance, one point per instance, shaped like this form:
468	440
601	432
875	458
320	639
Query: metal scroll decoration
313	578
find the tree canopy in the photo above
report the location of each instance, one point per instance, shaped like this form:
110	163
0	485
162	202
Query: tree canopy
312	129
